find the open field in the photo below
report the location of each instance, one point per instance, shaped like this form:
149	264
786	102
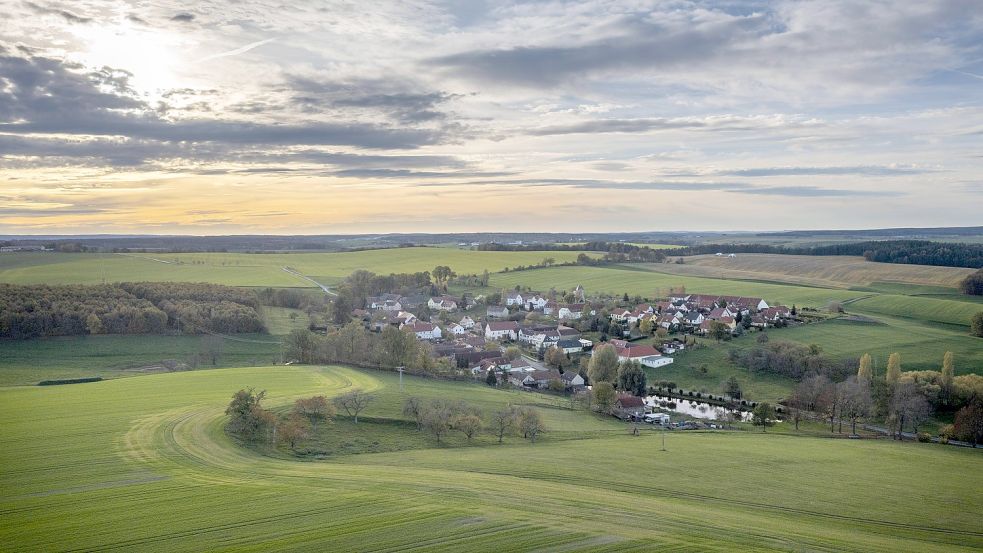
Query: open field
26	362
828	271
143	464
242	269
937	310
618	280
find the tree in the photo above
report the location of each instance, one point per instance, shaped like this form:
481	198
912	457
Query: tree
604	396
93	324
314	409
718	330
856	401
398	346
732	388
631	378
469	425
413	407
512	353
968	424
491	379
245	413
909	406
646	326
301	345
437	419
531	424
294	430
893	368
603	366
211	348
865	372
763	415
972	284
976	325
948	375
354	402
502	421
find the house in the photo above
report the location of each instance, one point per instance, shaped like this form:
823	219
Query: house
571	311
570	346
466	322
424	330
502	330
729	322
549	308
536	302
567	332
579	294
629	407
497	312
457	330
443	303
620	315
774	314
412	302
403	317
571	379
719	313
391	305
693	318
668	321
644	354
541	379
513	298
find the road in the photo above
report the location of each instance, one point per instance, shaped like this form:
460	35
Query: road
309	279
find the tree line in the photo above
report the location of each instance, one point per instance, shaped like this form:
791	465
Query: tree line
795	361
32	311
391	348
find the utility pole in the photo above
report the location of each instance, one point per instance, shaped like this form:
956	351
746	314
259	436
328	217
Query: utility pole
400	369
663	438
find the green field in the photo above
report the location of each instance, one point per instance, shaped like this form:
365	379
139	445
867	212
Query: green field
242	269
618	280
143	464
937	310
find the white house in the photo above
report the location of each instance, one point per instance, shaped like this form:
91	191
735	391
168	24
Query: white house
513	298
644	354
571	311
502	330
466	322
443	303
497	312
457	330
424	330
571	379
536	302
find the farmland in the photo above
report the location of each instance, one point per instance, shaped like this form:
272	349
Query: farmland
242	269
143	464
827	271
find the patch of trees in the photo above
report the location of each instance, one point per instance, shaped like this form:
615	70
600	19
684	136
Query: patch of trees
251	422
354	345
973	284
917	252
614	252
792	360
126	308
439	417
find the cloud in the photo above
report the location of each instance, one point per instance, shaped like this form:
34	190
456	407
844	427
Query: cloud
814	192
711	122
237	51
400	100
65	14
184	17
865	170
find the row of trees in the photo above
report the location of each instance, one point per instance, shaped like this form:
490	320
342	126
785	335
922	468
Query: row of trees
351	343
793	360
439	417
127	308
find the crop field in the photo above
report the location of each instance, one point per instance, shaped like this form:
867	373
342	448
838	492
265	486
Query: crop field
143	464
242	269
830	271
654	284
937	310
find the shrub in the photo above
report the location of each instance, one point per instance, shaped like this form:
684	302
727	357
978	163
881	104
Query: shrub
924	437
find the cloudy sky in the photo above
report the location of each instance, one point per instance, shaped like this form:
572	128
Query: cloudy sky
266	116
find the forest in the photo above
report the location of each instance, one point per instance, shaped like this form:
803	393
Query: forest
33	311
913	252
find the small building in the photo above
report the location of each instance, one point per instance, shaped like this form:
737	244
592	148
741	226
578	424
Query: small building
628	407
497	312
502	330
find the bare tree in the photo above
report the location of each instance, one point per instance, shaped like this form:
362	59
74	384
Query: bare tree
857	402
294	430
503	421
909	406
437	419
413	407
469	425
531	424
354	402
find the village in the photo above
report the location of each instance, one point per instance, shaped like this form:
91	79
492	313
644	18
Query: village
544	341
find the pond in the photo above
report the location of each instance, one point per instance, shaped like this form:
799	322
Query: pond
693	408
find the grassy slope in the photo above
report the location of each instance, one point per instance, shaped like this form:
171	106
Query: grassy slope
25	362
940	310
240	269
652	284
833	271
142	464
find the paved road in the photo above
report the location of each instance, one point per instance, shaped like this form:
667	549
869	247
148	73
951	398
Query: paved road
309	279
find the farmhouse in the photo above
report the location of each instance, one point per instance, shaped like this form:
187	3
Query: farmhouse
571	379
644	354
457	330
497	312
443	303
629	407
513	298
570	346
424	330
571	311
466	322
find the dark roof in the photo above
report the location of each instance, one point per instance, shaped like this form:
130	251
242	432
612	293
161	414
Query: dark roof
630	401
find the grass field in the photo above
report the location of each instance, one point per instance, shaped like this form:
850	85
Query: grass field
937	310
143	464
242	269
829	271
646	283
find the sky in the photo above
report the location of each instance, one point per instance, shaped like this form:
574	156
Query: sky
266	116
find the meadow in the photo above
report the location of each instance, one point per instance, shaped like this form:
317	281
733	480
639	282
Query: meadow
245	269
144	464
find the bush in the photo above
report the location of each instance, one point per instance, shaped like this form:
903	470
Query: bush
924	437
